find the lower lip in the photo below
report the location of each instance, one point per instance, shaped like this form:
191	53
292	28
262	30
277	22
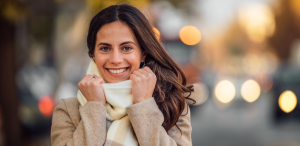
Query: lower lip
118	74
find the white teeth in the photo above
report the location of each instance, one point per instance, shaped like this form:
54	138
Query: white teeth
117	71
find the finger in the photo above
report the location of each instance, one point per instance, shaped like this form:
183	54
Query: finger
137	73
95	81
145	73
86	78
99	80
149	71
83	82
142	71
132	77
93	78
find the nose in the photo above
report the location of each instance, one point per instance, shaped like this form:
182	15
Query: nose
116	57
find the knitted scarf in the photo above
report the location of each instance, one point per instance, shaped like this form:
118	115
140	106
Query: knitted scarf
118	97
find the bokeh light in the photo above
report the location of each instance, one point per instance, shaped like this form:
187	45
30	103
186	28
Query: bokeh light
190	35
46	106
287	101
257	20
200	94
295	5
225	91
157	33
250	90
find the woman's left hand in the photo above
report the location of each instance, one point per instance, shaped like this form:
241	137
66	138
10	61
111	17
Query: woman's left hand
143	84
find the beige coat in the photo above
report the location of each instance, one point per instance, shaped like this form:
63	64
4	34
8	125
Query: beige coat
74	125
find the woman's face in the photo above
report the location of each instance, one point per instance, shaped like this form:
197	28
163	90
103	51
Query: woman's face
117	53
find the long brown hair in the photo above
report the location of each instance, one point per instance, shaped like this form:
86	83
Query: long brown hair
171	82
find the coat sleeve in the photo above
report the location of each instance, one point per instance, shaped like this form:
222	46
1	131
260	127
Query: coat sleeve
147	119
91	129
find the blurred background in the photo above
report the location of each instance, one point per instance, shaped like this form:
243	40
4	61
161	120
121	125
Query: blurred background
243	56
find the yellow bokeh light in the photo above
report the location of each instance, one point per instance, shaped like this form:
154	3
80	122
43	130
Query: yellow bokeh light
250	90
190	35
257	20
200	94
157	33
225	91
287	101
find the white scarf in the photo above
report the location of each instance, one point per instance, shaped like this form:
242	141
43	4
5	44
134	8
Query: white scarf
118	97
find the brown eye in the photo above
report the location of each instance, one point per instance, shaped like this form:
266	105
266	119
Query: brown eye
126	48
105	49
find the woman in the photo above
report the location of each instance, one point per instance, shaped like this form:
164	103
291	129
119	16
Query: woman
126	57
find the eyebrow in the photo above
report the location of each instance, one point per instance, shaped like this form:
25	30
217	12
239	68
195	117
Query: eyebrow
107	44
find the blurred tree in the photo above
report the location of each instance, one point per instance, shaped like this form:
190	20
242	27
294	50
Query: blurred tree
8	99
36	16
287	29
96	5
12	10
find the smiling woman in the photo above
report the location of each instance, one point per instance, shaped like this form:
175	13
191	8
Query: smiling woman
133	93
117	53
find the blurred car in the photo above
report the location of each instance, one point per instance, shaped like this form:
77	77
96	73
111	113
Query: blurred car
287	77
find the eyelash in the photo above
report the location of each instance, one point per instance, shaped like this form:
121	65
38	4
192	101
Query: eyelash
102	49
126	47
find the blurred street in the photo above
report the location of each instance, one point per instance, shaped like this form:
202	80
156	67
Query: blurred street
242	124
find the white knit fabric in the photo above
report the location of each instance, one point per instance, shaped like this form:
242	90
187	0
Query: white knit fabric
118	97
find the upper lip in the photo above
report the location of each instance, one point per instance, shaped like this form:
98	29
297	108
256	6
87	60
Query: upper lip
117	68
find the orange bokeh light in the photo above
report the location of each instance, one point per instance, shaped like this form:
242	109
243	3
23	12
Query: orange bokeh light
295	5
46	106
157	33
190	35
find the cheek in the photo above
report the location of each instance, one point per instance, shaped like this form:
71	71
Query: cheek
100	61
135	61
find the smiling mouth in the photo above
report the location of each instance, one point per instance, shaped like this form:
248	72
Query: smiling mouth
117	71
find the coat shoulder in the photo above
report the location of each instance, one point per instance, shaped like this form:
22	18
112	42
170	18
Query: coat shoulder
72	107
70	99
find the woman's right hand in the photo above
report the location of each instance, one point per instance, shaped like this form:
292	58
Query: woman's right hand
91	88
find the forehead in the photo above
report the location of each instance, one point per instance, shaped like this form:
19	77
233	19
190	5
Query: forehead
118	31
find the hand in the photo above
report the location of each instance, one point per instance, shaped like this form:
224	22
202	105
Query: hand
91	88
143	84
